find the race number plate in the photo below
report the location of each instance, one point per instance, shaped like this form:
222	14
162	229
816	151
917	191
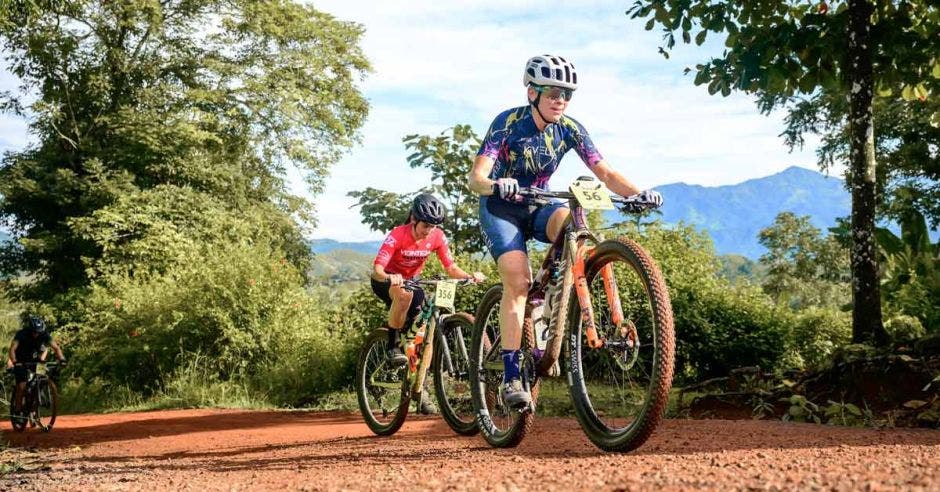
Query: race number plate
446	291
591	196
41	369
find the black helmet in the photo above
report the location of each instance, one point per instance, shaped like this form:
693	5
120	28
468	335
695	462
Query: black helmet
428	209
35	323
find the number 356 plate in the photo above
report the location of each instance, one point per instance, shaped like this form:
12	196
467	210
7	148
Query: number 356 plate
591	195
446	291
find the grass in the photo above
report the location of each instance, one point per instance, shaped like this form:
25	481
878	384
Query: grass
194	385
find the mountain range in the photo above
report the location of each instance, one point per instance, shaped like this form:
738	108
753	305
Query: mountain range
733	215
321	246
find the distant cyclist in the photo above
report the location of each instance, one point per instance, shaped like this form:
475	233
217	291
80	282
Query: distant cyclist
30	344
523	148
402	257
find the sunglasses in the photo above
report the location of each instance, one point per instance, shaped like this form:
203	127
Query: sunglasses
554	93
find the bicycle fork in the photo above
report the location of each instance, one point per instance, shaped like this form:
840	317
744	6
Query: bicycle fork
584	297
426	353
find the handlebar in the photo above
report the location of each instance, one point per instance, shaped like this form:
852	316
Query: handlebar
53	363
411	284
631	204
52	367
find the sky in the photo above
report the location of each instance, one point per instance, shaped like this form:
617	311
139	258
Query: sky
440	63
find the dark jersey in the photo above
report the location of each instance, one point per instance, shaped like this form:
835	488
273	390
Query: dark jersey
28	347
521	151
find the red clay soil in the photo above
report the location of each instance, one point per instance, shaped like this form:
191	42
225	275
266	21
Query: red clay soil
242	450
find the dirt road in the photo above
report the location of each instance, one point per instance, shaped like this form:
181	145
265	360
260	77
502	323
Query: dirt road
241	450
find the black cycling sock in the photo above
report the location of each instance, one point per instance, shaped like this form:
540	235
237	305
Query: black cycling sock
392	337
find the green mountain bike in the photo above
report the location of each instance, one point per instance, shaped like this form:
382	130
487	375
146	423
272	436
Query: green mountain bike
385	391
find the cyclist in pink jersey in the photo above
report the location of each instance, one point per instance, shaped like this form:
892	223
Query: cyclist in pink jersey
401	257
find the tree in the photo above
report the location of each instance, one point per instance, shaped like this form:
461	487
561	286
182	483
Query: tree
448	156
804	269
218	96
780	49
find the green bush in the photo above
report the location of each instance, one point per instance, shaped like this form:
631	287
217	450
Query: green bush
719	326
904	328
815	336
722	329
233	305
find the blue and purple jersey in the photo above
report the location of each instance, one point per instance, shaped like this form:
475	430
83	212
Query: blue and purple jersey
531	156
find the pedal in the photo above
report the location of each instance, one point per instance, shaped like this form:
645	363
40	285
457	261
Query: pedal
523	407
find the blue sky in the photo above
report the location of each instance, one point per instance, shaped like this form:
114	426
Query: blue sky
439	63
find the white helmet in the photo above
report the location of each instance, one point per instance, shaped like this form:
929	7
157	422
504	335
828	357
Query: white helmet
550	70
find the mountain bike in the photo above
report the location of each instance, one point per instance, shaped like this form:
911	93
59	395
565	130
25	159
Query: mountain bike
40	400
385	391
606	304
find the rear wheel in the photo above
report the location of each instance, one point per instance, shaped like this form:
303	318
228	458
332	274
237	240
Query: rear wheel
620	390
382	389
451	368
500	425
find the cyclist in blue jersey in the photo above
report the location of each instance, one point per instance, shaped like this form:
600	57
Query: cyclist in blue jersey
523	148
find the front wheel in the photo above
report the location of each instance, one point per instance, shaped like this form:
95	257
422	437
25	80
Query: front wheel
620	390
451	368
382	390
45	405
19	423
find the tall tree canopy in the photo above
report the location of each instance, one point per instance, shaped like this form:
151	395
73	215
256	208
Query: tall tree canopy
781	50
223	97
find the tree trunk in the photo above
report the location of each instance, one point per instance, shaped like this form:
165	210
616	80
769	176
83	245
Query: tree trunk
867	325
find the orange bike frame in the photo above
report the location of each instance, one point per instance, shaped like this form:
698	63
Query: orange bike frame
581	288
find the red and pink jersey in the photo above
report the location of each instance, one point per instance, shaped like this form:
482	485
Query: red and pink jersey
401	253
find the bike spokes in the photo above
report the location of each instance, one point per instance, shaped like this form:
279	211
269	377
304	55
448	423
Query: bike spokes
617	377
454	376
382	385
501	415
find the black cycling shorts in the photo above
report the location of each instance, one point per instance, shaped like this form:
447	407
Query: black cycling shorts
381	291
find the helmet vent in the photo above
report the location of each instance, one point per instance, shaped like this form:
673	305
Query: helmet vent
546	72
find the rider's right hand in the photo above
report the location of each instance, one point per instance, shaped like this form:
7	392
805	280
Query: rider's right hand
395	279
506	188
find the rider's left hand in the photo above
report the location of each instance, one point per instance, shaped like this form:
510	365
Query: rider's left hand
478	277
652	197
